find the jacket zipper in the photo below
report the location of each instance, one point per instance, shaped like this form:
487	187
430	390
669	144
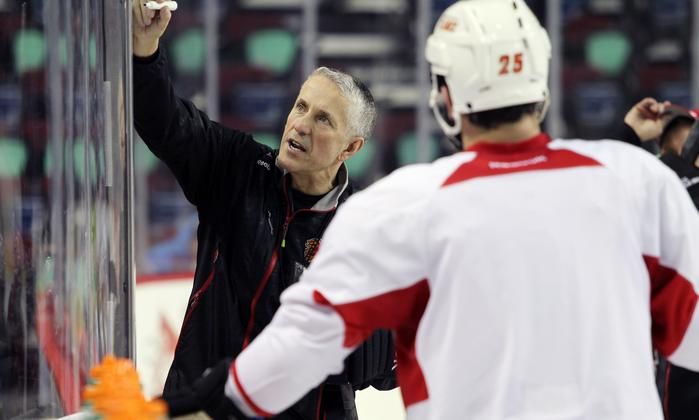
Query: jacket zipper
272	264
258	293
285	229
266	276
194	302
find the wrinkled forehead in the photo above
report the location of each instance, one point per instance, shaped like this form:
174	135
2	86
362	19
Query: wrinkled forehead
320	92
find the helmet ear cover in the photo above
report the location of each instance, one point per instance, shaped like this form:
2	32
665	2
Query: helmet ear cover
450	123
441	103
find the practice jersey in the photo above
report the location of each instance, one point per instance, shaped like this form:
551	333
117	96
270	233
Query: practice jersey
522	281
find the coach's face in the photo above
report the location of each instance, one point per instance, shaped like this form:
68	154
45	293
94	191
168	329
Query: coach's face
315	140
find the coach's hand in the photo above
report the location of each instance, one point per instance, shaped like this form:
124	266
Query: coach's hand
148	27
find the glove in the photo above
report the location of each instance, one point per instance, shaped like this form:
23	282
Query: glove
372	363
205	394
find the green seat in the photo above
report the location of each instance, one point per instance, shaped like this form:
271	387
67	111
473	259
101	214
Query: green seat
271	49
359	164
608	51
268	139
79	157
189	52
407	149
145	160
92	52
29	50
13	158
62	46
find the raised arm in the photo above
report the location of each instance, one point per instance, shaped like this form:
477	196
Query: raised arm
200	152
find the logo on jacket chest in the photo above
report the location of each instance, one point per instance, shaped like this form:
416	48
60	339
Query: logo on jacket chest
264	164
310	249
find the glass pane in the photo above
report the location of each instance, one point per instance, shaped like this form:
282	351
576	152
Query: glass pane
64	279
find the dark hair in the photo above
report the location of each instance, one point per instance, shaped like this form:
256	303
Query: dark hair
496	117
672	124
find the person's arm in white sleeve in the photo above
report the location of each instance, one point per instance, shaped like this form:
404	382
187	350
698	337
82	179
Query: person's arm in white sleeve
672	258
368	274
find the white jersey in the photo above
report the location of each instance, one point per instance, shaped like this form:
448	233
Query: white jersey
523	282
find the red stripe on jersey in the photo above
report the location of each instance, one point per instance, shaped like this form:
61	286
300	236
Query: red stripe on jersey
530	155
400	311
410	378
260	412
672	303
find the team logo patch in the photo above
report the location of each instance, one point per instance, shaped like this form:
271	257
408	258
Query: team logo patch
311	249
448	24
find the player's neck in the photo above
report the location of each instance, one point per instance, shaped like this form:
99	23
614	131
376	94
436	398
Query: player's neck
523	129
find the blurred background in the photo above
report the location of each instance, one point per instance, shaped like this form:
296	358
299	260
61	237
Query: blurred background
86	211
243	61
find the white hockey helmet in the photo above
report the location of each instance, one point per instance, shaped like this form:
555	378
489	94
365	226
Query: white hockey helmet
491	54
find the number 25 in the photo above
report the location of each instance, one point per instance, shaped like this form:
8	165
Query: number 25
516	65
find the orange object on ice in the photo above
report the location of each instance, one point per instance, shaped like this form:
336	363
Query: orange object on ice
114	393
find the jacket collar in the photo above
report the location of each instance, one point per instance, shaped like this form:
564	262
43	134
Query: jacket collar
332	198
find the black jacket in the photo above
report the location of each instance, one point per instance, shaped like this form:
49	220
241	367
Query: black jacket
688	173
685	170
251	243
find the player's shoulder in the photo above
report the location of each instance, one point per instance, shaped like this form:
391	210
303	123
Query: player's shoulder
414	183
598	147
426	177
613	154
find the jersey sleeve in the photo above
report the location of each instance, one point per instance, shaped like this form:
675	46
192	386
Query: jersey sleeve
671	253
369	273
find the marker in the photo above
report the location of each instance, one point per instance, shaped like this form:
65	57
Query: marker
154	5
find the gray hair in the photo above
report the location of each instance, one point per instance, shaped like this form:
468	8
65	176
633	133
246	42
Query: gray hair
361	114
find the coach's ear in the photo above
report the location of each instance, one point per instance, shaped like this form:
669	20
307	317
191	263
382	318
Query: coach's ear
353	147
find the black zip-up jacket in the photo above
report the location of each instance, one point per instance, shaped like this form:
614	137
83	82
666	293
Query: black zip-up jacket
252	243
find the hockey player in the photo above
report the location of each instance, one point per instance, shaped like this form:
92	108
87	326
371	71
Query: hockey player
524	278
